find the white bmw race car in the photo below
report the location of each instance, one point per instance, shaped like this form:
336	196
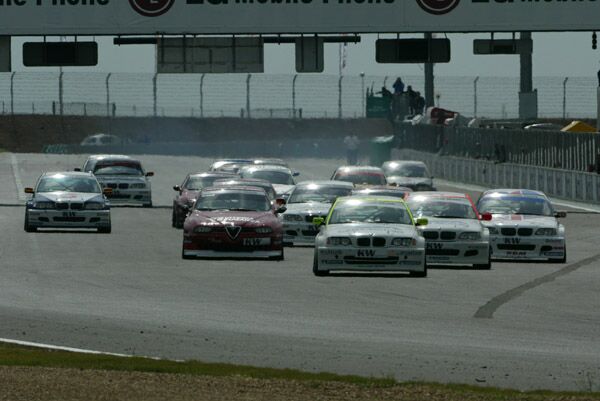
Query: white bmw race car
524	225
455	234
305	202
369	234
67	200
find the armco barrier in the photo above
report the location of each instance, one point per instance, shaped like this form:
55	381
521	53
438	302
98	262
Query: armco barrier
566	184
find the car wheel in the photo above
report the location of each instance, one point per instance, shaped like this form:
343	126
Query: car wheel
563	260
147	205
28	228
486	266
420	274
316	271
280	257
105	229
174	218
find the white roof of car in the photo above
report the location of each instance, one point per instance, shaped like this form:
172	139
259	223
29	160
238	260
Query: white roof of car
338	184
438	194
265	167
515	192
111	157
350	169
67	174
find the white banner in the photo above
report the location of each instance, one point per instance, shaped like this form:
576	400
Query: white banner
122	17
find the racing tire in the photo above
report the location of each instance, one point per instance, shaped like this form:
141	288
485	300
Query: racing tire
316	271
420	274
563	260
147	205
486	266
27	227
280	257
105	229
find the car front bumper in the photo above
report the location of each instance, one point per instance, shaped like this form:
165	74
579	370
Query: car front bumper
299	233
528	248
457	252
371	259
130	197
219	245
68	219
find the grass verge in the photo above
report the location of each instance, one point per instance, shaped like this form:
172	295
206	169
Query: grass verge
380	388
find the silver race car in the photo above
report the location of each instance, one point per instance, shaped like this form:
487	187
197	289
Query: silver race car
412	174
281	177
126	177
524	225
455	234
306	201
67	200
369	234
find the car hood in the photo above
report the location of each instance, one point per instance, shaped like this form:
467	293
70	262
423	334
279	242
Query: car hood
121	178
227	218
63	196
452	224
399	180
308	208
280	188
365	229
519	220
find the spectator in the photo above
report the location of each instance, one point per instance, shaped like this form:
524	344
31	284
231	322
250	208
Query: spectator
385	92
398	86
419	103
352	143
412	97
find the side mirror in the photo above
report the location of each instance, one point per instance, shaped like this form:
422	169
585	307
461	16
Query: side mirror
76	169
296	174
422	222
560	215
149	174
280	202
29	190
107	191
280	210
177	188
486	217
318	221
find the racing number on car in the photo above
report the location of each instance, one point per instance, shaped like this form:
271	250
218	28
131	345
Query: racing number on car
434	245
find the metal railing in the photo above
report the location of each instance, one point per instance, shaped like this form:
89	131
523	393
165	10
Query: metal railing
564	150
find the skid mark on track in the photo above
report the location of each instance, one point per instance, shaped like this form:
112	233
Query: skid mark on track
487	311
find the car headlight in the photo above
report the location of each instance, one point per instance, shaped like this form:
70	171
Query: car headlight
202	229
44	205
470	236
336	241
405	242
548	232
94	205
264	230
493	230
138	186
292	217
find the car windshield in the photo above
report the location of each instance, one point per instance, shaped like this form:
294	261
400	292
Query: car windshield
229	200
314	193
262	185
383	192
118	168
535	206
274	177
407	170
442	208
370	212
197	183
361	178
68	184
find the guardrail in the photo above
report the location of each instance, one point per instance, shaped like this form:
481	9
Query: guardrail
563	150
566	184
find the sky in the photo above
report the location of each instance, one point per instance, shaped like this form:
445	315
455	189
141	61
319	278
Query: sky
555	54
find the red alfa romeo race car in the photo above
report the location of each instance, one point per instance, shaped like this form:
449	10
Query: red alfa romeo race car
233	222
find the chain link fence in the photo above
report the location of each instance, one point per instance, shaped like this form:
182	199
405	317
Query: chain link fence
274	96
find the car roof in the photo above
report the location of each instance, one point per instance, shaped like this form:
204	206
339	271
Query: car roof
519	192
439	194
271	161
69	174
375	188
113	157
400	162
232	161
265	167
326	183
217	174
352	169
241	181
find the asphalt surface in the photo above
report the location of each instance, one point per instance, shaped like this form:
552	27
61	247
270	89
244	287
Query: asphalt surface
525	326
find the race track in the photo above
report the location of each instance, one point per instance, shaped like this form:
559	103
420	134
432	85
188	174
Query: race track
526	326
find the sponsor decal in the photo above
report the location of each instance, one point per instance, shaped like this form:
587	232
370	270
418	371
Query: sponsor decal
330	252
233	231
512	241
438	7
256	241
151	8
434	245
233	219
332	262
365	253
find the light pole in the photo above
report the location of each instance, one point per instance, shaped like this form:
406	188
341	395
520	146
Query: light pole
364	95
475	97
565	97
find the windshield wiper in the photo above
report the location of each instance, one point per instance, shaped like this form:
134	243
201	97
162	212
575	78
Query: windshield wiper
241	209
449	217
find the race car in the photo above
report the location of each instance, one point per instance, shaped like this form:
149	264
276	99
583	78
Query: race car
126	177
382	190
412	174
247	182
229	165
67	200
524	225
281	177
360	175
271	162
455	234
306	201
369	234
188	191
233	222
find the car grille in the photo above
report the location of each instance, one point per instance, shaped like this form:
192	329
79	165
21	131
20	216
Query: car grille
353	260
69	219
525	232
431	235
516	247
378	242
363	241
442	252
113	186
448	235
123	186
444	235
509	231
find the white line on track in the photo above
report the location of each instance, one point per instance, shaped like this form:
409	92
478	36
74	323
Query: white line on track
559	202
59	348
15	169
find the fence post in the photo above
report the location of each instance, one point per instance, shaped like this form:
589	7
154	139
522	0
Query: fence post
154	94
248	95
363	95
202	95
108	94
565	97
475	97
294	95
60	93
340	96
12	93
